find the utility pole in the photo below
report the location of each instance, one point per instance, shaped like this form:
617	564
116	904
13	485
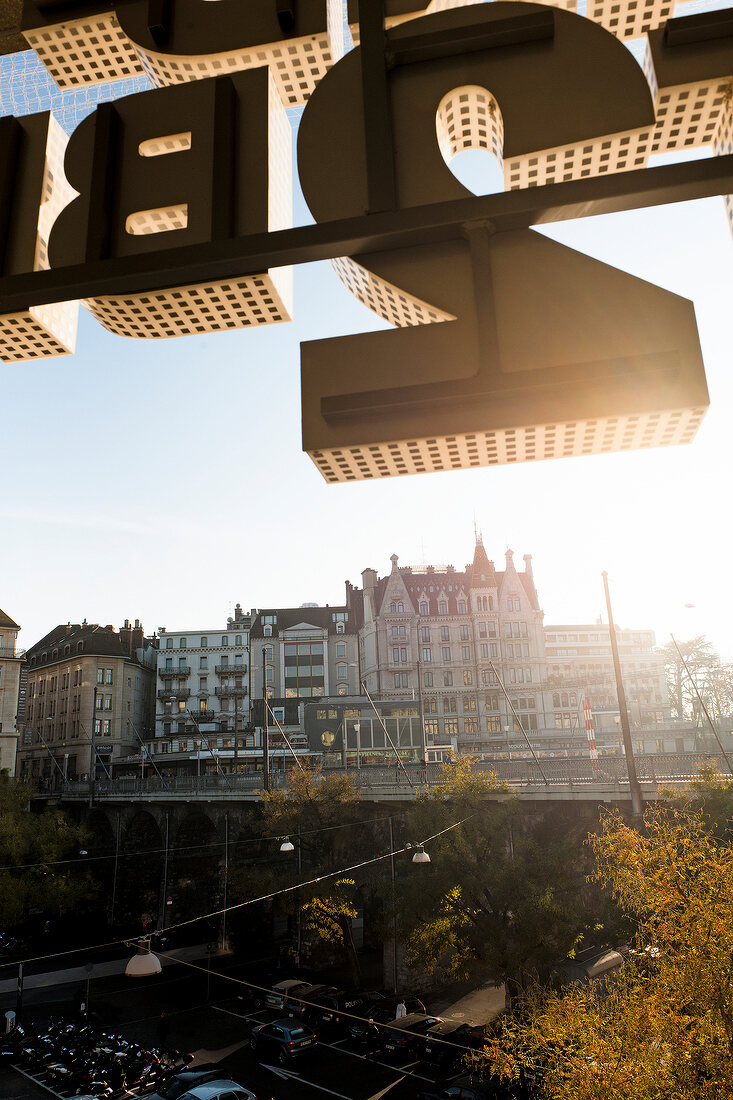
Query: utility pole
265	728
637	801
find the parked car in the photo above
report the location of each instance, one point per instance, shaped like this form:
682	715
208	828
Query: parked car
448	1044
335	1009
285	1039
279	993
180	1083
405	1036
469	1087
301	1002
219	1090
381	1012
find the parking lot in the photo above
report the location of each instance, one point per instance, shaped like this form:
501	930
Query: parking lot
336	1066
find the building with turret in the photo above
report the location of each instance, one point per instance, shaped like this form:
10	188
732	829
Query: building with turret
466	645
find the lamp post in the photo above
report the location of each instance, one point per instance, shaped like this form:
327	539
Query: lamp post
265	727
637	801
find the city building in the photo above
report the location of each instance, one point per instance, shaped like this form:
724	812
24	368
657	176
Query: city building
11	673
202	714
580	664
89	700
449	639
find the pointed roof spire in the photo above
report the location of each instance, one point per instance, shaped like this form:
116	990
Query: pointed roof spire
394	559
482	571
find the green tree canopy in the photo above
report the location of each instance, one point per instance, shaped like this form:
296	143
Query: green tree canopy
30	845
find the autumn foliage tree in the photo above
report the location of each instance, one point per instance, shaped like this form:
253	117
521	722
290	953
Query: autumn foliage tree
664	1031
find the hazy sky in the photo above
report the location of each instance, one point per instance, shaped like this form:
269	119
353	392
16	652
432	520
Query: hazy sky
164	480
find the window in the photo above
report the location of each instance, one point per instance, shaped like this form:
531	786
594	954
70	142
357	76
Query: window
469	704
203	662
108	702
182	643
339	617
269	620
470	725
108	676
268	652
98	725
341	672
510	650
403	656
446	654
451	727
424	633
237	639
465	634
484	650
204	641
225	639
507	630
270	675
450	704
397	607
267	630
492	629
395	655
203	681
491	702
340	628
423	609
442	607
430	706
467	677
431	727
182	663
304	670
447	679
400	679
169	643
100	675
465	653
341	650
427	679
100	702
461	607
106	726
427	655
444	634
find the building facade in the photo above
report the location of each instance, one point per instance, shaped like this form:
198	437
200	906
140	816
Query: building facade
11	671
202	713
450	639
89	700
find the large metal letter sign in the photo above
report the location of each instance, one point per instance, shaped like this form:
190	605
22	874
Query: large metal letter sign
512	346
168	213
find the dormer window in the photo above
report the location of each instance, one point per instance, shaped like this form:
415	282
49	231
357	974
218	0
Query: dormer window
339	628
396	607
461	607
442	607
423	609
267	630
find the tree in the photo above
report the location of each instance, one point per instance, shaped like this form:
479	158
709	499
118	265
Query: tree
30	845
329	916
506	890
665	1031
320	812
714	680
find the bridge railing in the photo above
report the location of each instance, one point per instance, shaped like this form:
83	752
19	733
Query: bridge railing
524	773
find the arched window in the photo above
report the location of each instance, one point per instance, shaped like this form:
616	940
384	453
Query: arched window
564	698
461	607
393	607
556	699
442	607
268	652
339	628
267	630
423	609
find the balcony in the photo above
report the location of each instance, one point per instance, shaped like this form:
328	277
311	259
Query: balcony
182	670
174	693
231	692
230	670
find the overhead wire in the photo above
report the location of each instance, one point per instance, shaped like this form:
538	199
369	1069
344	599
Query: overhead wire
130	939
80	860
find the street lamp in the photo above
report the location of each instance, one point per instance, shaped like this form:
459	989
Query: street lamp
144	964
421	856
287	845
